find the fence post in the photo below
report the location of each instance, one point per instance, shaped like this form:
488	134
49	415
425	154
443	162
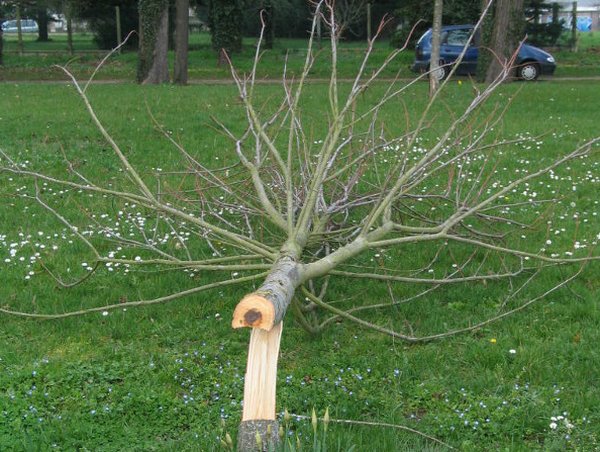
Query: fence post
118	19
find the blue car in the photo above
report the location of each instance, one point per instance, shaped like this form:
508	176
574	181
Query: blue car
531	62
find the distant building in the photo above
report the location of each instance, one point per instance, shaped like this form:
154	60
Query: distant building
588	14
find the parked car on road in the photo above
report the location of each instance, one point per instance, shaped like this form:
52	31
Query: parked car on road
531	62
27	26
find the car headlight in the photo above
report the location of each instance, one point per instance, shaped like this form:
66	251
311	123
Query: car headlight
550	59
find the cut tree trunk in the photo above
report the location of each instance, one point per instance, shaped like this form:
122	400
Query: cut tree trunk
267	306
263	310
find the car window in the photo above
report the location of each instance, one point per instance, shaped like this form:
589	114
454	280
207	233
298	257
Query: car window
457	37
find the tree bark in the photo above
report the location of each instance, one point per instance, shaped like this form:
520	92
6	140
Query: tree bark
269	17
69	17
267	306
436	36
180	75
42	20
154	41
1	47
507	32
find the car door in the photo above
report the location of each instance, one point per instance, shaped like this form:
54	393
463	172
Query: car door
453	43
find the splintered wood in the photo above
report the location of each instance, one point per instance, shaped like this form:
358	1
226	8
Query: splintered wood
261	374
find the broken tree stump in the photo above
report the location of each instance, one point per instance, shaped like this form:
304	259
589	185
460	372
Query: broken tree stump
258	417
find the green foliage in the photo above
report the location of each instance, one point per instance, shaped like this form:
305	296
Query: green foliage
455	12
101	18
542	34
291	18
225	20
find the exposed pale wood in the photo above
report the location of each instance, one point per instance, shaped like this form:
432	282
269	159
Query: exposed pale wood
254	311
261	374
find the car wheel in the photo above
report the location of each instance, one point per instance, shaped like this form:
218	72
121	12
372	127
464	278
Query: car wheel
529	71
440	73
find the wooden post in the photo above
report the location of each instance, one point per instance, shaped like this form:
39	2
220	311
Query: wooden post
260	386
319	31
69	17
19	29
369	21
574	28
118	19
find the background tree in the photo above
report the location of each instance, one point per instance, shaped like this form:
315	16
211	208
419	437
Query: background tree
180	74
291	18
153	41
225	20
268	9
5	9
502	35
538	33
43	18
436	38
102	20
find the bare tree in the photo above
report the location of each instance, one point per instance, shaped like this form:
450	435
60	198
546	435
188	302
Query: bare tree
298	213
436	38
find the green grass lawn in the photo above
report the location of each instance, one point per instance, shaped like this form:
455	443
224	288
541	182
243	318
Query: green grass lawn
171	377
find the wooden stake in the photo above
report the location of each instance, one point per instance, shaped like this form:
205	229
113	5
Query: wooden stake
259	390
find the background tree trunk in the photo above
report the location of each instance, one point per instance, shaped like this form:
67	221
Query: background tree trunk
269	17
154	41
436	35
69	18
180	75
42	20
225	20
1	45
506	33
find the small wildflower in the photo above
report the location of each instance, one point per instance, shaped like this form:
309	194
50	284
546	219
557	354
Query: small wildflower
493	340
104	313
512	351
